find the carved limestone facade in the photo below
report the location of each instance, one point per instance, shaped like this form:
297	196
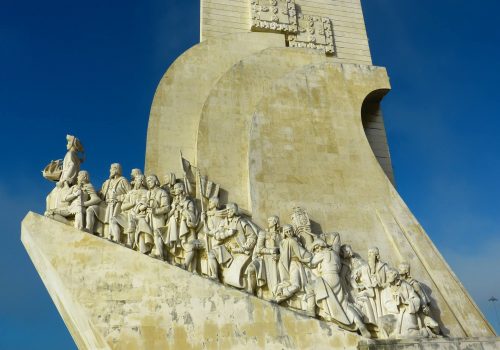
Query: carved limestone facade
288	264
274	15
301	29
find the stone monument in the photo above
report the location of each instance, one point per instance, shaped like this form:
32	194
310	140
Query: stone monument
277	226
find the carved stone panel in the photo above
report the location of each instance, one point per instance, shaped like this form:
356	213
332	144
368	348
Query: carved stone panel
274	16
313	32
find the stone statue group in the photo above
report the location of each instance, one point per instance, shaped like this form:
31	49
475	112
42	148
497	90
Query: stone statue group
287	264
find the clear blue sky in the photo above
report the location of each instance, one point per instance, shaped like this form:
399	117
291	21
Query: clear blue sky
91	68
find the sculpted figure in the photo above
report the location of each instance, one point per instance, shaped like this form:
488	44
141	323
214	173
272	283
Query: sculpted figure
428	324
179	235
71	162
126	221
211	218
112	192
331	298
263	270
346	269
400	300
209	223
355	279
80	197
66	174
377	272
154	211
134	174
233	242
292	272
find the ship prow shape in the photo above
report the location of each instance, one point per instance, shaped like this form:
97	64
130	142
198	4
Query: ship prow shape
277	128
112	297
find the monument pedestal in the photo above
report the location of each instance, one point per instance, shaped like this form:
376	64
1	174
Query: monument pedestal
111	297
283	123
483	343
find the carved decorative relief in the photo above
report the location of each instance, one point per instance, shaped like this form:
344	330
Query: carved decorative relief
274	15
303	30
292	265
313	32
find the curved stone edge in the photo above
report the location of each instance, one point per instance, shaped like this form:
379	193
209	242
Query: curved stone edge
112	297
83	333
473	321
182	91
247	81
399	225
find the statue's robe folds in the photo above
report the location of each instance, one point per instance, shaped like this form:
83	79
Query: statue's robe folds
127	218
70	169
377	278
157	200
234	241
292	273
402	301
266	254
330	296
113	189
207	229
182	219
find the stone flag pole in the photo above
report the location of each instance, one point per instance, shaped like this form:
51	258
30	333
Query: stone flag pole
267	216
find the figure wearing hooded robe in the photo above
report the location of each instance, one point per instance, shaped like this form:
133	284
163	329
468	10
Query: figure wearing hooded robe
428	325
400	300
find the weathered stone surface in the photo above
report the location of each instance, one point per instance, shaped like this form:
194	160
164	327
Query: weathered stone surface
111	297
484	343
283	127
181	94
221	17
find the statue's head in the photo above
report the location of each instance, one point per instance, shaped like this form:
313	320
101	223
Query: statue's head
213	203
288	231
179	189
273	221
83	177
73	144
392	276
169	179
135	172
373	254
139	182
152	181
115	170
232	209
346	251
404	269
